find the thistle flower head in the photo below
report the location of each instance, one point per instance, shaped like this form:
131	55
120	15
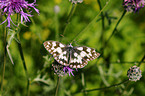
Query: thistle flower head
68	70
61	70
10	7
134	73
133	5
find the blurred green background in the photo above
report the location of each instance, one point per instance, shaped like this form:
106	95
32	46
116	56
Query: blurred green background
125	49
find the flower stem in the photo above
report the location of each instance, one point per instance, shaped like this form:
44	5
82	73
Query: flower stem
3	74
71	13
22	55
102	15
103	24
83	83
114	30
106	87
95	89
69	17
141	60
57	86
24	64
56	26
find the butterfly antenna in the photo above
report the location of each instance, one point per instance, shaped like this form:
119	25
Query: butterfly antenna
70	43
75	42
62	36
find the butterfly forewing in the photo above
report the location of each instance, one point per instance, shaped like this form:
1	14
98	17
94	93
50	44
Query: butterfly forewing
58	50
81	55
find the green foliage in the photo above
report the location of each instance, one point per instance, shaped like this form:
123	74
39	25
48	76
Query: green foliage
125	49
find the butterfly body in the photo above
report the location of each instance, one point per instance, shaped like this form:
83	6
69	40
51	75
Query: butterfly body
67	55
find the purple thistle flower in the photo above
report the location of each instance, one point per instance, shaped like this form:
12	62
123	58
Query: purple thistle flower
10	7
133	5
68	70
62	70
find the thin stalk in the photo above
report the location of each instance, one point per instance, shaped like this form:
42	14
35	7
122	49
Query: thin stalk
71	13
106	87
141	61
91	23
84	83
103	24
57	86
96	89
113	32
123	62
102	40
56	26
3	74
69	17
22	55
102	15
24	65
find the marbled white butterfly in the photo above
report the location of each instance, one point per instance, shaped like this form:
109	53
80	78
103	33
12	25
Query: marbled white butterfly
67	55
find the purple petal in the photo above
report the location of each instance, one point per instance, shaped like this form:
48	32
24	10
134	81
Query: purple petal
68	70
9	21
10	7
25	16
133	5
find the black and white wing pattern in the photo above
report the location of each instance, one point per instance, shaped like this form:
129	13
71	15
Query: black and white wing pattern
74	57
81	55
58	50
